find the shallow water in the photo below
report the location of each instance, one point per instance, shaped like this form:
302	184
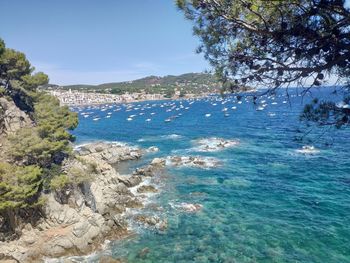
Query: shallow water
265	203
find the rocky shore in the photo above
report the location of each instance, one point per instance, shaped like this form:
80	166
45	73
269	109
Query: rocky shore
104	206
83	218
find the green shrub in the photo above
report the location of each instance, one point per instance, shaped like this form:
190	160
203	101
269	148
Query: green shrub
59	182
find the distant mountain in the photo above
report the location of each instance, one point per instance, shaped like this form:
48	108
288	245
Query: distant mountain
187	83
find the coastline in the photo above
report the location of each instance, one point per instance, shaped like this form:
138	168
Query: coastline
82	220
79	221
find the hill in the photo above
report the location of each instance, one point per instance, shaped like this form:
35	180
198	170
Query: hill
193	83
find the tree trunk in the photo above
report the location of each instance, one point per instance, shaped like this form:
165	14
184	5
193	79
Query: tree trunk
11	220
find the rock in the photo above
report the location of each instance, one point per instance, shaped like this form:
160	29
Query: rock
193	161
153	149
148	220
130	181
143	253
108	259
162	225
158	162
12	118
110	152
120	221
187	207
81	228
79	219
151	170
147	189
134	203
214	144
28	239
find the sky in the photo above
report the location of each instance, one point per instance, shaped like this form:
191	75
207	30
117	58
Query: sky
93	42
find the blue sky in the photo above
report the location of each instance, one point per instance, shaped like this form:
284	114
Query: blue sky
88	41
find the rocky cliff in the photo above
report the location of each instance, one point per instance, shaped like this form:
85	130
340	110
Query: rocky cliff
80	221
12	118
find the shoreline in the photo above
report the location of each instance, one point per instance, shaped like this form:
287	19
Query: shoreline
109	208
86	219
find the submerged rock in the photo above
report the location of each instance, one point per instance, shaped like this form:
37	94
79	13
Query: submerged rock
193	161
152	149
152	221
147	189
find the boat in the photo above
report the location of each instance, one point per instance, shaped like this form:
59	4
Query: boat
207	115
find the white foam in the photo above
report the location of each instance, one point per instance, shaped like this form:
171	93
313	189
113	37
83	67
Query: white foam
307	149
202	162
213	144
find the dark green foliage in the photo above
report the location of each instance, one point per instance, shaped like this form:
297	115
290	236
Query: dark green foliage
36	152
48	142
19	186
273	44
2	46
14	65
31	82
327	113
53	120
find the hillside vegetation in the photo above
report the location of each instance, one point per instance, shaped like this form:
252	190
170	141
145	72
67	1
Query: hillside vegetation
193	83
33	137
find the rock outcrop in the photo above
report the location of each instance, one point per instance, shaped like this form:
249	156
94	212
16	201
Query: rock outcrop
193	161
91	213
12	118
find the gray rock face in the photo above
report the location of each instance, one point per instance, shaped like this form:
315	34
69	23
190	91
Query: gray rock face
110	152
147	189
89	215
12	118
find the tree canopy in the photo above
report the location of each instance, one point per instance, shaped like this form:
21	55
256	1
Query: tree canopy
34	154
275	44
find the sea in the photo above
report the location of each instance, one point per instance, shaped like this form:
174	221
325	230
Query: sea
282	194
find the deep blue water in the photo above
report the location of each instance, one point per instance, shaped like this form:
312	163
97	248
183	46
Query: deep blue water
265	203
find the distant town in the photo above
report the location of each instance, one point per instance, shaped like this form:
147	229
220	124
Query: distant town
188	85
72	97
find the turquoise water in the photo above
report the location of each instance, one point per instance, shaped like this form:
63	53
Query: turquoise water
265	203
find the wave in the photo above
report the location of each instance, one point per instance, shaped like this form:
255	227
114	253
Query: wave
213	144
161	137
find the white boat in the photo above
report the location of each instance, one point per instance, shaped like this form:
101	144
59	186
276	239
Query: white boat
129	119
207	115
96	119
167	120
148	119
